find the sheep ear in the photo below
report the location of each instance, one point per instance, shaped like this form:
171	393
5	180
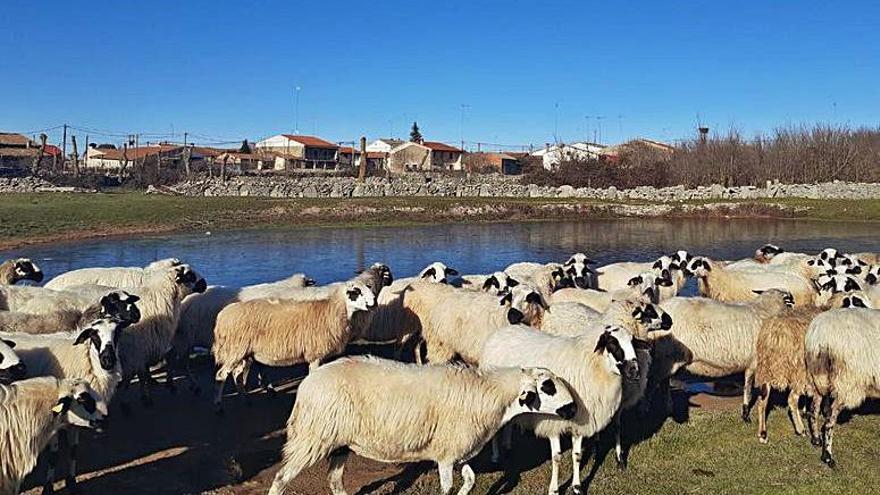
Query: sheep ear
512	282
759	292
132	298
10	343
84	336
529	399
858	303
452	271
489	283
657	264
62	406
635	281
430	272
603	341
506	298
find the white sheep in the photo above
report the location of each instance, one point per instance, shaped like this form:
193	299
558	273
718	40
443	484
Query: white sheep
646	287
592	366
31	413
496	282
147	342
118	304
843	362
669	275
284	332
11	367
446	419
15	270
717	282
578	270
456	323
546	277
120	276
720	336
63	355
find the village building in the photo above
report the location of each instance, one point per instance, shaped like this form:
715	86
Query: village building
553	155
300	152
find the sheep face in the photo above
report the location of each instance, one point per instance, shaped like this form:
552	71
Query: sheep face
578	270
617	345
121	305
856	301
681	258
766	252
697	267
541	391
79	405
829	255
103	337
438	273
776	296
524	304
25	269
186	277
379	277
651	317
359	297
646	285
11	367
500	283
873	275
828	285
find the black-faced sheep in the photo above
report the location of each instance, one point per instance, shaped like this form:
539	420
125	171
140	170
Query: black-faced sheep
16	270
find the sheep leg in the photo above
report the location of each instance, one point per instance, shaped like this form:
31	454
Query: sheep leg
314	365
577	443
73	447
496	448
121	390
445	477
828	432
52	461
194	387
264	383
763	399
555	457
220	380
469	479
813	419
144	379
793	399
748	383
619	453
240	377
337	467
170	365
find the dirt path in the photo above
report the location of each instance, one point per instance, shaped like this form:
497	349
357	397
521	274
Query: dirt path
180	445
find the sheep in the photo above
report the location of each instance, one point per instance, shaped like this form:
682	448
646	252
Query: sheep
717	282
198	314
447	419
15	270
11	367
496	282
645	287
118	304
830	285
619	276
594	366
547	277
283	332
40	300
578	270
779	364
843	364
147	342
120	276
62	355
719	336
377	276
32	412
456	323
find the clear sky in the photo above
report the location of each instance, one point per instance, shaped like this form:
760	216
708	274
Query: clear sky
522	70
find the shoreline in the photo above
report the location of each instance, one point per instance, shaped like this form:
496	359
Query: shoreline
46	218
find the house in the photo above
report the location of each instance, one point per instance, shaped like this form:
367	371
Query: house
444	156
553	155
635	146
235	162
385	145
17	152
501	163
113	159
300	152
408	157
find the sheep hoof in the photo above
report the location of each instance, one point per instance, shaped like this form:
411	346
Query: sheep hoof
827	459
622	464
48	489
815	441
271	392
576	490
72	486
745	414
762	437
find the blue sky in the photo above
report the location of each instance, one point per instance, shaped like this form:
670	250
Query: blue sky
227	70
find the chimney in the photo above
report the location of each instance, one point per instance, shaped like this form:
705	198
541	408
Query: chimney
704	132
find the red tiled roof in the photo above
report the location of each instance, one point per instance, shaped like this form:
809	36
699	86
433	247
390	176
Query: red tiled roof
435	146
311	141
133	153
348	150
52	150
12	139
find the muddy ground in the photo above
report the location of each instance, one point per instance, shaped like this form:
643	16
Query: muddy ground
180	445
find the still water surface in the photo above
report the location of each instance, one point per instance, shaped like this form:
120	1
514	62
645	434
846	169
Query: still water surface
329	254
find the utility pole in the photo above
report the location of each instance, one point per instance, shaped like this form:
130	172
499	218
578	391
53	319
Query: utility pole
296	111
461	128
362	169
75	156
185	134
64	146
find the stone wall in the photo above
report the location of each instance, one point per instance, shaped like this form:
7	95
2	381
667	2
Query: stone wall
500	186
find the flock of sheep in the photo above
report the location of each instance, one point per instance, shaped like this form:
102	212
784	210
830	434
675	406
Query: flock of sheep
559	349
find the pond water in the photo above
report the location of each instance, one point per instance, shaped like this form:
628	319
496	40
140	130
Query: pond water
329	254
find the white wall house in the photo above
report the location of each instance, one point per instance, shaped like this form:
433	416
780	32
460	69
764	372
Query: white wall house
300	152
384	145
554	154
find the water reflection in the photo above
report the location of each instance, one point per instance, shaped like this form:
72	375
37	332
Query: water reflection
245	257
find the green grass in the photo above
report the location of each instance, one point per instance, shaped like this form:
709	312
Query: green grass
715	452
53	216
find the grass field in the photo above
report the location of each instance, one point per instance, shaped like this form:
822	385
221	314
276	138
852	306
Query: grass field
46	217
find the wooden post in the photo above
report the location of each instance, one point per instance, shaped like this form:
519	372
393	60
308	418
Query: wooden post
362	170
124	164
187	154
35	167
75	156
223	170
85	158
